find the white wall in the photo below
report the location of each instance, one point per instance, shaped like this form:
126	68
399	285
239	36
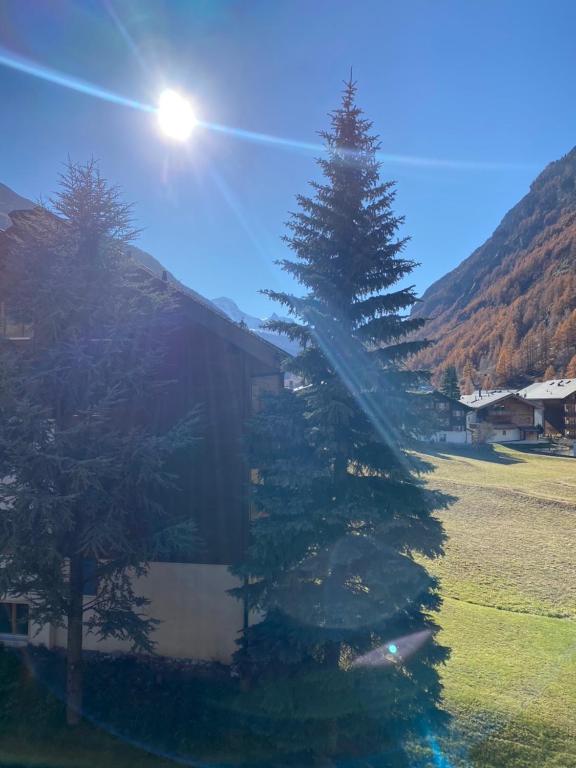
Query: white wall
498	436
452	436
199	619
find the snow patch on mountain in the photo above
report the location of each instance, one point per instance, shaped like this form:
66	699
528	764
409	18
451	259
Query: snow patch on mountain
230	308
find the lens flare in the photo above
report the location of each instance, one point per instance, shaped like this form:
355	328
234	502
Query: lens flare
395	652
18	63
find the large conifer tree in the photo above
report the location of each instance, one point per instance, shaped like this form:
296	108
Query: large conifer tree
347	633
86	504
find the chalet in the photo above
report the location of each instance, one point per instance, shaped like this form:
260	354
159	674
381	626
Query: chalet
448	418
226	368
556	401
501	416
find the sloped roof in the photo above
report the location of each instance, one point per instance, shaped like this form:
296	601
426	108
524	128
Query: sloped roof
553	389
207	314
202	310
430	391
484	397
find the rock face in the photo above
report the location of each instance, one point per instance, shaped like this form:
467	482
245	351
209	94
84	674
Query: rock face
509	309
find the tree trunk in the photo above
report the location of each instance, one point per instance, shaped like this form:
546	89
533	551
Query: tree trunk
74	642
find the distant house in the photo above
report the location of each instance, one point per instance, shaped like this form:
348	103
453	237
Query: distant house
448	418
226	369
556	402
501	416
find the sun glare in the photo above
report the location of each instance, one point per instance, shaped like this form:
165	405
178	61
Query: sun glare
175	115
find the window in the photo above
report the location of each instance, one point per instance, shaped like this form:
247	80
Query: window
12	328
14	619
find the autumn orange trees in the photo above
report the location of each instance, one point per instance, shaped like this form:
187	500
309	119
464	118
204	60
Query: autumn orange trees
510	308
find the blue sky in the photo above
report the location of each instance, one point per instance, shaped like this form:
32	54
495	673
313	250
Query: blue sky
485	84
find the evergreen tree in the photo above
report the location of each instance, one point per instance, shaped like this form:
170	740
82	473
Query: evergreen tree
86	500
346	653
449	385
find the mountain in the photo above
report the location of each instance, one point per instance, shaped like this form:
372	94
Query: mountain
508	311
233	311
11	201
230	308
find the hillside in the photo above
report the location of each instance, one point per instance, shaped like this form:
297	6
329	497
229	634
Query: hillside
230	308
510	307
11	201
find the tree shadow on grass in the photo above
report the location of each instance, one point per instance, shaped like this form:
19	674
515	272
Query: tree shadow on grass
479	452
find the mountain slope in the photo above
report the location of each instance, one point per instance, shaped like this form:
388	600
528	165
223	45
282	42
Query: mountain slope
510	307
11	201
230	308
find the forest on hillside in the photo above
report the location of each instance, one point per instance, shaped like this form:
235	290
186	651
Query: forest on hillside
507	314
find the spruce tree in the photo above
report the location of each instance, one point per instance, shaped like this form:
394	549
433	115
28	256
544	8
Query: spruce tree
345	655
85	508
449	385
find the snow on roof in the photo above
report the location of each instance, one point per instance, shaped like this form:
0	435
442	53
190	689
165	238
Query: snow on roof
554	389
484	397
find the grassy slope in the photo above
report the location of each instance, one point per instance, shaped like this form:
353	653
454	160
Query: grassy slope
509	579
85	748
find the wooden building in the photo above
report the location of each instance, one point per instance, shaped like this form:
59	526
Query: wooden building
501	416
447	418
223	368
556	400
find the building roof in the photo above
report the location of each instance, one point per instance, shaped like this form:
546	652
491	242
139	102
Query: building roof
431	392
554	389
482	398
509	425
200	309
205	313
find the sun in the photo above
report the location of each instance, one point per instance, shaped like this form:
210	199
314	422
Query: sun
175	115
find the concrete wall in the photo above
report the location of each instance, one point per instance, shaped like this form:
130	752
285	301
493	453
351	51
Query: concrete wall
199	619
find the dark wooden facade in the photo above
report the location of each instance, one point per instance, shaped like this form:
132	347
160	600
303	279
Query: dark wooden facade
449	415
570	416
218	368
213	365
510	411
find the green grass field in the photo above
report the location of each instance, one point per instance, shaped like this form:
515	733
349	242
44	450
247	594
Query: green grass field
509	581
509	616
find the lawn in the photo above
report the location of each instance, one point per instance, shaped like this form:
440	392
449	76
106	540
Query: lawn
509	580
509	616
